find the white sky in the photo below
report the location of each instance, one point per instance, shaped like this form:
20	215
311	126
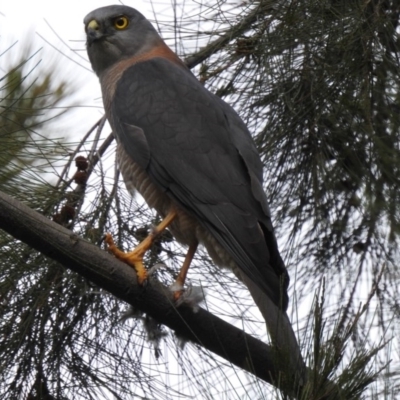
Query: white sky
66	17
23	20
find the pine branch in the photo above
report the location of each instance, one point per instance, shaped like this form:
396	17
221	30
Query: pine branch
242	26
202	327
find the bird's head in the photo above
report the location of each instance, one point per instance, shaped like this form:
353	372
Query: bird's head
117	32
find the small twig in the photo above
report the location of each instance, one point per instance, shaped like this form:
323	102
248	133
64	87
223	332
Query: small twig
220	43
59	51
96	138
74	153
94	158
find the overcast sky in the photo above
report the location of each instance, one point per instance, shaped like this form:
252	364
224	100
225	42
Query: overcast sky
61	24
66	17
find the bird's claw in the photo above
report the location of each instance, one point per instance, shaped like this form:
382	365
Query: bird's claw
133	258
192	296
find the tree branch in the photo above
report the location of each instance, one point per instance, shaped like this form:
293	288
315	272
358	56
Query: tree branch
242	26
98	266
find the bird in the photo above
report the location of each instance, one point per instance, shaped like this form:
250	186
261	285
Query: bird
191	157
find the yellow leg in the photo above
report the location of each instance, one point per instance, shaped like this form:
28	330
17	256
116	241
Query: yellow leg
135	257
180	280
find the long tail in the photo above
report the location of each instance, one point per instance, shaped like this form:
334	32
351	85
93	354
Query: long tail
289	356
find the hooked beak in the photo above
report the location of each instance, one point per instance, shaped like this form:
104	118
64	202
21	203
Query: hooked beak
93	32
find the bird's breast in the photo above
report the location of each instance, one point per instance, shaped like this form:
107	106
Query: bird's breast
186	229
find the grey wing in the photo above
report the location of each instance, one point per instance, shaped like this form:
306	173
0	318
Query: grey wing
197	149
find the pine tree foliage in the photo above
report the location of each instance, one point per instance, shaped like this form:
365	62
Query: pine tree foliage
27	104
30	99
317	83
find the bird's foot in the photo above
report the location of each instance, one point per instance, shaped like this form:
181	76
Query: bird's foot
133	258
177	291
177	295
192	296
177	287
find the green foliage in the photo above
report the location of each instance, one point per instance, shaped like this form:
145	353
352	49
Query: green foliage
319	82
332	129
330	375
29	98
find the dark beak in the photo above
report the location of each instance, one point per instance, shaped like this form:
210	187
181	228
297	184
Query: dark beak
92	35
93	32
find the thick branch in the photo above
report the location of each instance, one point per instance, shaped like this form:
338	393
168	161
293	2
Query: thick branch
97	265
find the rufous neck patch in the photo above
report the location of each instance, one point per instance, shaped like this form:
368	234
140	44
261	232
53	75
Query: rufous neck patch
162	51
112	75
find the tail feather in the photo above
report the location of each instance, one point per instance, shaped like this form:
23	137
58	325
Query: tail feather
280	330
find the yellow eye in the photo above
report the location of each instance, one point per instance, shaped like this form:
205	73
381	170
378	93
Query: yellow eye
121	23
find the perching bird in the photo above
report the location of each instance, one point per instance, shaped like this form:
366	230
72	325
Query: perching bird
191	157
